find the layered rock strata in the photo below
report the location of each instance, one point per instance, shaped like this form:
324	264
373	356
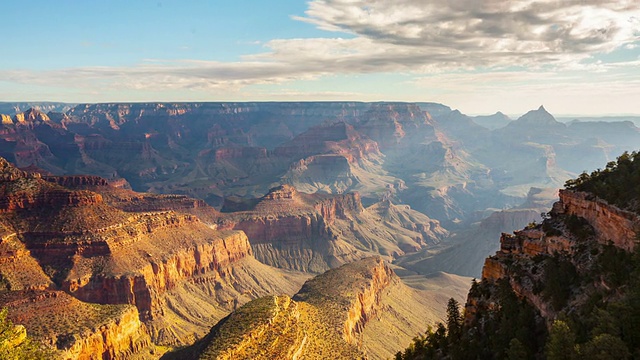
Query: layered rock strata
78	330
576	232
315	232
609	222
98	247
359	310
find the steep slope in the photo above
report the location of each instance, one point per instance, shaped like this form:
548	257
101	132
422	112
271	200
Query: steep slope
464	252
360	309
104	245
334	158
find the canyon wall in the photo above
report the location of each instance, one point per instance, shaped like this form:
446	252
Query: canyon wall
575	237
160	275
78	330
609	222
367	302
292	230
122	338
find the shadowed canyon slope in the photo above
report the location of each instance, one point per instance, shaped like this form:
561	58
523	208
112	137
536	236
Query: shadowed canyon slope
315	232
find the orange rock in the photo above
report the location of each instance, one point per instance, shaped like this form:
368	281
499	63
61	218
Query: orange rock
610	223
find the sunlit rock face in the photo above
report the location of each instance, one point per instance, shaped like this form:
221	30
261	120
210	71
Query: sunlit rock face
609	222
131	263
359	309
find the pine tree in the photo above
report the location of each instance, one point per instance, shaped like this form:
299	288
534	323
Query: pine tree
605	347
454	321
561	344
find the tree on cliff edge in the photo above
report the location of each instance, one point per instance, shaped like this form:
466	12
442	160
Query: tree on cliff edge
454	321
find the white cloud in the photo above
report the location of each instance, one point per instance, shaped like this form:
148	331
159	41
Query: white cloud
411	36
475	29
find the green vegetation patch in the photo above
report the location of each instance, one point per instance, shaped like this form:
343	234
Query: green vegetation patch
618	183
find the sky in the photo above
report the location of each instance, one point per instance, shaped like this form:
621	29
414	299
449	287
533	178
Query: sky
575	57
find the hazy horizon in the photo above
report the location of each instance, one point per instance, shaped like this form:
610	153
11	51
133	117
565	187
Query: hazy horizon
559	116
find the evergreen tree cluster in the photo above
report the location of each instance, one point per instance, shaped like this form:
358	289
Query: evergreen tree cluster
618	183
592	293
508	331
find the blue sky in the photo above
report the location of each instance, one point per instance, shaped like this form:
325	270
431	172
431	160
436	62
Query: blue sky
573	56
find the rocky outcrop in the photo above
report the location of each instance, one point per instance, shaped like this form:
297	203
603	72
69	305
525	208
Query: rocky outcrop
159	276
9	173
22	190
53	198
274	327
77	330
609	222
298	242
367	302
338	207
353	291
573	238
292	230
493	270
121	338
359	310
108	247
532	242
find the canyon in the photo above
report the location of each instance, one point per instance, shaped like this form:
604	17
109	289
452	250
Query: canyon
71	248
161	219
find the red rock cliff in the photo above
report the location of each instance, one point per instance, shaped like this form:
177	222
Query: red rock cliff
609	222
159	273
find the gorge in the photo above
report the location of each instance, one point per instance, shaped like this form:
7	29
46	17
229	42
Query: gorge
158	222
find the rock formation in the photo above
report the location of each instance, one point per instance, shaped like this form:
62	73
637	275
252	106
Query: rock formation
315	232
360	309
609	222
79	242
78	330
582	251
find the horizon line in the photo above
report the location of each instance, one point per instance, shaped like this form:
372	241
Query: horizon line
511	115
